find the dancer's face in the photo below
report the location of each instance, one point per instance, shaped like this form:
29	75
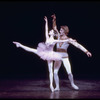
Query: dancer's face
62	32
51	32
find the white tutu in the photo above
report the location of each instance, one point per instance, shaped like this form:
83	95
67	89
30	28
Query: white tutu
46	53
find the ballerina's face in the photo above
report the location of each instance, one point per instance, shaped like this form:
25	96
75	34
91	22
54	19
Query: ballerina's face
51	32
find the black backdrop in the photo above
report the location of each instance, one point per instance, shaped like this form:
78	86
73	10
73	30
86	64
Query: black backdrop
23	21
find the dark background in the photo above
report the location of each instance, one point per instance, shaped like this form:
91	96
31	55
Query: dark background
23	21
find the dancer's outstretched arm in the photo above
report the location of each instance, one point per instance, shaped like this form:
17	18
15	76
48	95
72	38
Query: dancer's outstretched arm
79	46
54	22
54	25
25	47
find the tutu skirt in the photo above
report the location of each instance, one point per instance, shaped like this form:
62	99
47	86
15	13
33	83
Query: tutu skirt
47	53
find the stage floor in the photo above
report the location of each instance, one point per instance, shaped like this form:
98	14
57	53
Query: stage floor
39	89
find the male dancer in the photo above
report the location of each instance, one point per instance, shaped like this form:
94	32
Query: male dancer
62	49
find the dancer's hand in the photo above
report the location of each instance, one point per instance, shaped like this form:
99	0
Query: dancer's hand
45	18
89	54
53	16
17	44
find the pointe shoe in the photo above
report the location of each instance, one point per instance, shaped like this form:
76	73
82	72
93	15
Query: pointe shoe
17	44
52	89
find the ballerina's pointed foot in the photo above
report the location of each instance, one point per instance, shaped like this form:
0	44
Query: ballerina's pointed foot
52	89
17	44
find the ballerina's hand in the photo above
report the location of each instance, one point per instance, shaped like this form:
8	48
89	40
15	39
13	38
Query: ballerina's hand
45	18
17	44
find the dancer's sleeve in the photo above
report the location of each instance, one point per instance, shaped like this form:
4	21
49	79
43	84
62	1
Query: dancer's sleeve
76	44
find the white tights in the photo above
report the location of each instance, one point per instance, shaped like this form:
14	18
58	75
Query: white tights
50	67
67	66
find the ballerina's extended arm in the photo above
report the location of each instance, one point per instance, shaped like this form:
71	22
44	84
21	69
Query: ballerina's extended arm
59	41
46	28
